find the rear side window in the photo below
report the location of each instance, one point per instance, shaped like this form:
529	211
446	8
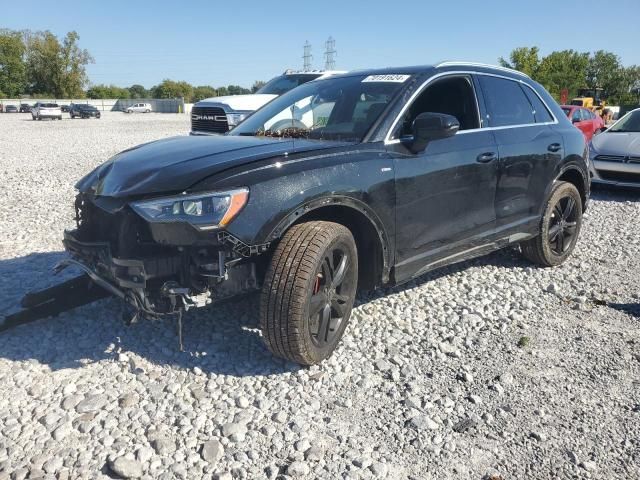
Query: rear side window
540	112
506	102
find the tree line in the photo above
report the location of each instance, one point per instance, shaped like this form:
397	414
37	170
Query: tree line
573	70
41	65
170	89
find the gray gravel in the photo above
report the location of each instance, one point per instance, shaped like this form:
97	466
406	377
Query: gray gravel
490	367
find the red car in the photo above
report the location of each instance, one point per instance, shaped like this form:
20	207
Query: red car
584	119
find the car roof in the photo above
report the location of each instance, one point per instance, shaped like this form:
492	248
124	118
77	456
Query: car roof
441	66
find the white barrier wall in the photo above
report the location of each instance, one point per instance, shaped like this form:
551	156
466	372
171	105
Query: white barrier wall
162	105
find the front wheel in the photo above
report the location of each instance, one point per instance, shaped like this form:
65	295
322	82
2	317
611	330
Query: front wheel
147	111
308	292
559	228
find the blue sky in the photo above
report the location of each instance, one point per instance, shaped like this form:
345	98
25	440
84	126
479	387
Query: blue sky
215	43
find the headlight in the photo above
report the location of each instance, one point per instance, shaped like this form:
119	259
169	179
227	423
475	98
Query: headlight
234	119
205	211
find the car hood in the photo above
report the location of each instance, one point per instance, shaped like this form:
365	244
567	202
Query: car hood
175	164
621	143
238	102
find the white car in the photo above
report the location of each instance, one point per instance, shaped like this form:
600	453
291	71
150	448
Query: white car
218	115
46	110
139	108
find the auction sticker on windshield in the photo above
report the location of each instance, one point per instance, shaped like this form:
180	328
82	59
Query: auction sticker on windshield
392	77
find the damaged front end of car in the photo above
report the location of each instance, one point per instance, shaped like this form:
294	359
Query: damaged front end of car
161	256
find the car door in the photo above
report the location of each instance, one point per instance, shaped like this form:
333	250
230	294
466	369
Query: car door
582	122
528	147
444	194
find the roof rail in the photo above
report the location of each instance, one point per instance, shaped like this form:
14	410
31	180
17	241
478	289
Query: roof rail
475	64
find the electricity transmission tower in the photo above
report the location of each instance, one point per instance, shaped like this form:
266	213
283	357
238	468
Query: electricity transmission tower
330	54
307	57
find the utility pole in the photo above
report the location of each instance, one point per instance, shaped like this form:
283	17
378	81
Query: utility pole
330	54
307	57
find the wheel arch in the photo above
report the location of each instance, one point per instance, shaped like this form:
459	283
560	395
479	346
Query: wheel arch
574	175
372	241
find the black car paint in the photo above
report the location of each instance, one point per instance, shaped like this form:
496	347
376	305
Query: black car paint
82	110
430	208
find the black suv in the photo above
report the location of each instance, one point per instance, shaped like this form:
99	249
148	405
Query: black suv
352	182
83	110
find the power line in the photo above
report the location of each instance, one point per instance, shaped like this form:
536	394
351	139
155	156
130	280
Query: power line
330	54
307	57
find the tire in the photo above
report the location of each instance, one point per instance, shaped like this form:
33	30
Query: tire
303	312
559	227
60	117
147	111
72	115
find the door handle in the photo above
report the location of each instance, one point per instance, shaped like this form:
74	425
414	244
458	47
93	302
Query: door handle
554	147
486	157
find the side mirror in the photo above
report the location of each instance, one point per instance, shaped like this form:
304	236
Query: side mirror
430	126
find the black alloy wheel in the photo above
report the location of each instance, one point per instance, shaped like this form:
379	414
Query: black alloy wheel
563	225
332	291
559	227
308	291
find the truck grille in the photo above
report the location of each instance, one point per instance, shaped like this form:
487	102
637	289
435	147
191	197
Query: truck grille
209	119
625	177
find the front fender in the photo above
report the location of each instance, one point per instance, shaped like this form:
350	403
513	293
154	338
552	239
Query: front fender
282	191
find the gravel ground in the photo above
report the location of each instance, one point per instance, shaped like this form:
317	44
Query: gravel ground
486	369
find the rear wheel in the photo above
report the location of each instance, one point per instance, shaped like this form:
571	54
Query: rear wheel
559	228
308	292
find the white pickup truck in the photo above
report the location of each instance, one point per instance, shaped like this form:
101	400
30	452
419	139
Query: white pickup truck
46	110
218	115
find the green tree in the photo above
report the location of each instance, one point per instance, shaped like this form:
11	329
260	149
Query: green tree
524	59
563	69
605	71
58	69
13	78
172	89
202	92
138	91
237	90
107	91
257	85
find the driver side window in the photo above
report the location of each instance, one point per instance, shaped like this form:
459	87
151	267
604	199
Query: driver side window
452	95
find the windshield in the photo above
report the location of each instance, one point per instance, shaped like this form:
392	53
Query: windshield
629	123
284	83
49	105
339	108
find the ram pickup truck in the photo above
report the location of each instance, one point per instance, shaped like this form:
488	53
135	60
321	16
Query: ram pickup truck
218	115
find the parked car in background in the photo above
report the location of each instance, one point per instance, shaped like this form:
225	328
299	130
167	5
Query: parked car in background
219	114
25	108
585	120
615	153
65	108
83	110
1	108
11	109
139	108
46	110
386	175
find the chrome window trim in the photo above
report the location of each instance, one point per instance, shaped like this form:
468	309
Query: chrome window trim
483	65
389	141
